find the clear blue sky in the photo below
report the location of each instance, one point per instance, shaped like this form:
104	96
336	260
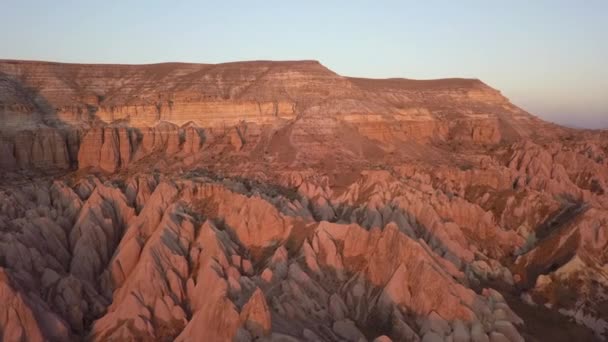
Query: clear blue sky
550	57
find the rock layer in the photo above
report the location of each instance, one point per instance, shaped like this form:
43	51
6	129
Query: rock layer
279	201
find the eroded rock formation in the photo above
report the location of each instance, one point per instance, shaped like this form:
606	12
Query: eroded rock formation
279	201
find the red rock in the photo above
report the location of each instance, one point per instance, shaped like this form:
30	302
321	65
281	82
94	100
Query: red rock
126	148
192	141
255	315
109	155
20	316
90	148
236	140
430	187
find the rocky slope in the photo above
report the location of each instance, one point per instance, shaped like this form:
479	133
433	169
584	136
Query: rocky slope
279	201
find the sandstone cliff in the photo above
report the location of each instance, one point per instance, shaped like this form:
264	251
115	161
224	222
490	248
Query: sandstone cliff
279	201
270	94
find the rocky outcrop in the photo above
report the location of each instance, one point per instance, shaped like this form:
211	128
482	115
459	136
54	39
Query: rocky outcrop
263	93
105	148
255	315
24	319
43	148
160	259
279	201
132	116
110	149
193	140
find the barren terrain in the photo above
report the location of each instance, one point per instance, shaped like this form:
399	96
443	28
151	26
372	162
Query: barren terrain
279	201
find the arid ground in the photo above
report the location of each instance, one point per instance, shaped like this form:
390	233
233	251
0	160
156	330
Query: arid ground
280	201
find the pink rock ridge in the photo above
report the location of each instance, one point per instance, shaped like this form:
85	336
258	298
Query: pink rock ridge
279	201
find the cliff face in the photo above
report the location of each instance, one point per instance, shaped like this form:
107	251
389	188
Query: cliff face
179	93
388	112
43	148
279	201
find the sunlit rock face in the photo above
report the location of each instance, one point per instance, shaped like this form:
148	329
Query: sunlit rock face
279	201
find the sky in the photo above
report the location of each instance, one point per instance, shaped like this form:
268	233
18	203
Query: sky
548	57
